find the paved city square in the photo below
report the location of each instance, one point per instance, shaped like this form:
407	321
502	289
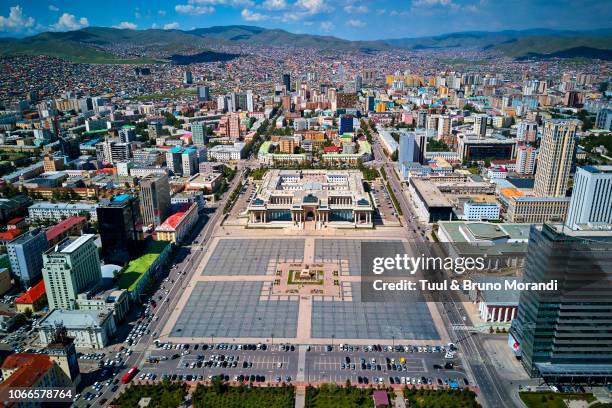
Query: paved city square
234	296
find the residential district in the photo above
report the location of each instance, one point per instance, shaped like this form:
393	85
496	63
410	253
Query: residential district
202	226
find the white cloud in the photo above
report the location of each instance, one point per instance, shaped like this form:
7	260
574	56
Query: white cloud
248	15
16	20
53	8
126	24
355	23
68	22
356	9
274	4
171	26
429	3
327	26
193	10
231	3
313	6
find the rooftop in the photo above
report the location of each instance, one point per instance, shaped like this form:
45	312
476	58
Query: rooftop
74	319
139	266
32	295
29	369
63	226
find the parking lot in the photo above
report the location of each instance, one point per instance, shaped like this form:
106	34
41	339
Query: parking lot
383	203
360	364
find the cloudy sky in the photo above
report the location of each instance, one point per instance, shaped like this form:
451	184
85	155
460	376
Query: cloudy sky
352	19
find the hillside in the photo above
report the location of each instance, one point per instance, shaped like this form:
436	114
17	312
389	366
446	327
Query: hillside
98	44
514	43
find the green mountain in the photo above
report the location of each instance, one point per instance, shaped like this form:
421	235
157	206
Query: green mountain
515	43
108	45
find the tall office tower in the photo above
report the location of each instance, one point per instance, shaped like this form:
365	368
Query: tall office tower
565	333
444	126
591	202
198	133
555	158
221	103
232	102
370	103
433	122
127	134
188	78
604	119
525	159
174	161
203	93
234	126
480	125
241	101
250	103
113	152
190	162
412	147
154	199
70	147
346	124
421	118
119	225
287	82
25	255
358	83
70	267
369	76
527	132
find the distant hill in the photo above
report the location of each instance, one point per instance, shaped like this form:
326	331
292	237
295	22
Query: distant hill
91	44
513	43
97	44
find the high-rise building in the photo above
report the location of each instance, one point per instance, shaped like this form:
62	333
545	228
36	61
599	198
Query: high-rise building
25	255
444	126
591	202
190	162
127	134
120	226
480	125
527	132
187	78
250	103
174	161
564	333
70	267
604	119
525	159
287	82
234	126
346	124
113	152
432	122
358	83
421	118
198	133
412	147
203	93
154	199
555	157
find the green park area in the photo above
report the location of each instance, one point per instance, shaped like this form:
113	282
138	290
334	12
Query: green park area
164	395
551	399
221	395
334	396
426	398
138	267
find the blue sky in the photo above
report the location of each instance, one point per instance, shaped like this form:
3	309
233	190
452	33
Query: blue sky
351	19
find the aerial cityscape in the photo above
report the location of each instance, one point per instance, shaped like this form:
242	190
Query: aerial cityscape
306	203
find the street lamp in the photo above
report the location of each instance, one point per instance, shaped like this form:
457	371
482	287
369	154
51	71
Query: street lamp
333	336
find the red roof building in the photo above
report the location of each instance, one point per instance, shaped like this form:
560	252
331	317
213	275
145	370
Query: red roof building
70	226
381	399
331	149
9	235
178	225
34	298
24	370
